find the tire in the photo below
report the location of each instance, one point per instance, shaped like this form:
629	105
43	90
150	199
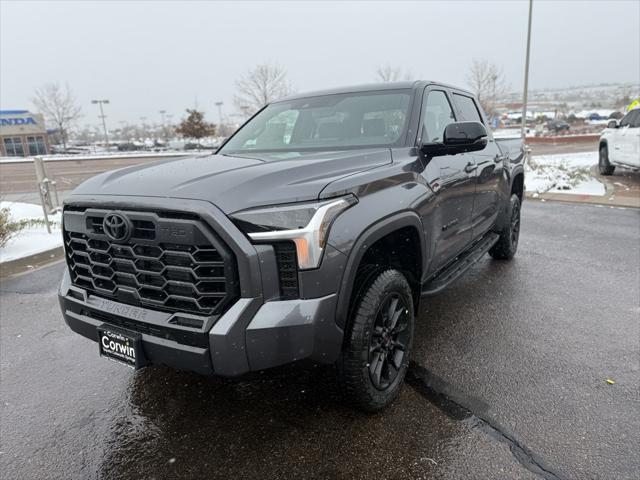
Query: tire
604	166
378	343
507	245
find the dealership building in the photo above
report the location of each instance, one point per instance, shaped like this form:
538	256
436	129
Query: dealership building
22	134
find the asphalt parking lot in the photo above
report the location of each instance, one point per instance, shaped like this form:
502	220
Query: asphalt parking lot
508	381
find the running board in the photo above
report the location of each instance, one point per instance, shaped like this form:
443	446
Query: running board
465	261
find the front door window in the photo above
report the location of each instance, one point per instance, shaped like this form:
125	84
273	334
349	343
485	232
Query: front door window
437	114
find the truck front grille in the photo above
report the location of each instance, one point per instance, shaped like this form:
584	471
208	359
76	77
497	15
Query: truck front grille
171	261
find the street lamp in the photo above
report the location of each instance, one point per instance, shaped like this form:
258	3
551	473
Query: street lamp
144	127
104	123
164	127
219	105
526	75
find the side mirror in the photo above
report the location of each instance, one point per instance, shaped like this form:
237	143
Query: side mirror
458	137
612	124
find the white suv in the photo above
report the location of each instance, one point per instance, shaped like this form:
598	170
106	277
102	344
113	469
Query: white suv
620	143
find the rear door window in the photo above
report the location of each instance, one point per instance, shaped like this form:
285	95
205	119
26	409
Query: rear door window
467	108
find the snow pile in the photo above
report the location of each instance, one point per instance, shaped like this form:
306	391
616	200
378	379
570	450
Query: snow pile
31	240
563	173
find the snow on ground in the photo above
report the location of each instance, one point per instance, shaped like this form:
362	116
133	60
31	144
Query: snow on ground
31	240
506	133
563	173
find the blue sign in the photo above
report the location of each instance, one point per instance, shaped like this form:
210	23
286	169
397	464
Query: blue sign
5	122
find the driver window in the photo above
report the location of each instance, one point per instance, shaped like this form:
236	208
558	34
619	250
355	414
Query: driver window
437	114
627	120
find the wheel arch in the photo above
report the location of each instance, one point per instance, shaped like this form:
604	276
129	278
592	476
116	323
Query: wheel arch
517	185
362	245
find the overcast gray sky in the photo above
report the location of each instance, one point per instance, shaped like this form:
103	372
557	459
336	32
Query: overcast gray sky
148	56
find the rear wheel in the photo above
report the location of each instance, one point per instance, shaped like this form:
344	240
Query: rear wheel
603	162
507	245
376	355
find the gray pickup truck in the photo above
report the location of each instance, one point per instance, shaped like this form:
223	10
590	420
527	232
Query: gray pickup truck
310	236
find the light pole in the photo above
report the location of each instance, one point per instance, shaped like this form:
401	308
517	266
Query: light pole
164	127
104	123
169	125
526	75
144	128
494	79
219	105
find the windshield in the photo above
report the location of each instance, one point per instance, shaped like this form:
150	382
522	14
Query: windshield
347	120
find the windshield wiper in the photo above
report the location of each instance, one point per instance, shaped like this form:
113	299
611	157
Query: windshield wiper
243	156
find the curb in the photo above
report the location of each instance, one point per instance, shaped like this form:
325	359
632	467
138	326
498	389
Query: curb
30	262
606	200
609	199
579	138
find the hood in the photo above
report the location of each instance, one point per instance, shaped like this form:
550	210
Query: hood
235	183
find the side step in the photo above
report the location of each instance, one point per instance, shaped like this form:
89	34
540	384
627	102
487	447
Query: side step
465	261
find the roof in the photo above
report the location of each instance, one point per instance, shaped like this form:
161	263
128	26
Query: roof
13	112
371	87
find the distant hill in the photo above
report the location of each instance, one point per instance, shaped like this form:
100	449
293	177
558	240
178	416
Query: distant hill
611	95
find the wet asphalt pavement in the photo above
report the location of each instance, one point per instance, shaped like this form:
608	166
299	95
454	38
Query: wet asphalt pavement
508	381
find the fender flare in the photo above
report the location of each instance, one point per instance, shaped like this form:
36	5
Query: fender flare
369	236
519	170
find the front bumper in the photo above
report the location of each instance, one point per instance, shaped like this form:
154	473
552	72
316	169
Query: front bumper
250	336
258	331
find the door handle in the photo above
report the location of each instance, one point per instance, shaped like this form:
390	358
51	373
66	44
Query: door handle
499	158
470	167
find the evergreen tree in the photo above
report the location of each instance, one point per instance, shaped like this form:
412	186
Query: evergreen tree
194	126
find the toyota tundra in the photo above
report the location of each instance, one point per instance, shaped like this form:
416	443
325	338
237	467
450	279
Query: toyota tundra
310	236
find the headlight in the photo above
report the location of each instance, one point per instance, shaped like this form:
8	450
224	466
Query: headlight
306	224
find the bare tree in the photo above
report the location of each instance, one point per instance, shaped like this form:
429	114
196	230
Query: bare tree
387	73
260	86
488	83
58	105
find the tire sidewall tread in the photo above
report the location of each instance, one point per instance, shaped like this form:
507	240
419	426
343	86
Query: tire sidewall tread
504	249
353	370
604	166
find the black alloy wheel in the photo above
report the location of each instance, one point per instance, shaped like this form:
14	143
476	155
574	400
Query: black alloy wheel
389	338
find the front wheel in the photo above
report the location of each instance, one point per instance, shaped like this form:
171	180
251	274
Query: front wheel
604	166
506	247
376	355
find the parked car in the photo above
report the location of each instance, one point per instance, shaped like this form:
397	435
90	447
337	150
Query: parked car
128	147
71	150
558	126
311	235
620	143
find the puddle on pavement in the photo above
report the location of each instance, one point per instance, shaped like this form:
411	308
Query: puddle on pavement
181	425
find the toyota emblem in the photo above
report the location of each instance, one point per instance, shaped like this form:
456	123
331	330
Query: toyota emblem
116	227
